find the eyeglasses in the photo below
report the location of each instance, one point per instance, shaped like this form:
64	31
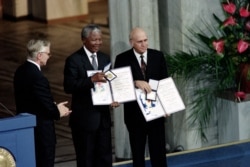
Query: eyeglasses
49	54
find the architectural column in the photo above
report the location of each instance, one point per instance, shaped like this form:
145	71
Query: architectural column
176	18
124	15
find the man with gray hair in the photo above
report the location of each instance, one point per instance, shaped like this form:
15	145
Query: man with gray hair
33	95
90	124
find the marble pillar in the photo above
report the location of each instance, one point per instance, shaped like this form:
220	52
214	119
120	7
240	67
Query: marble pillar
176	18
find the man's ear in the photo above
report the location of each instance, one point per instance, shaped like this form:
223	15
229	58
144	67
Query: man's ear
38	56
131	42
83	40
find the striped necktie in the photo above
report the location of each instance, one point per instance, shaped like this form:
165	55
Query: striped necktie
143	67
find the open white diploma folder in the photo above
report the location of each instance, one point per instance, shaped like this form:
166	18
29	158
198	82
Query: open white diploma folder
166	102
151	109
119	86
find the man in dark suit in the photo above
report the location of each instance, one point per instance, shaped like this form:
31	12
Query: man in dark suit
90	125
153	67
33	95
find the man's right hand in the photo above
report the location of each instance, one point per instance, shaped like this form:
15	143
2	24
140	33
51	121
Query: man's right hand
98	77
143	85
64	111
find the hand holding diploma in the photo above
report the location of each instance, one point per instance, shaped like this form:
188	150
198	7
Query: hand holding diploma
110	86
143	85
98	77
114	104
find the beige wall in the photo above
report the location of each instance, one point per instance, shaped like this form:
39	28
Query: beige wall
15	8
58	9
45	10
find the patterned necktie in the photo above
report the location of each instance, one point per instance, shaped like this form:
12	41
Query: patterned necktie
143	67
94	64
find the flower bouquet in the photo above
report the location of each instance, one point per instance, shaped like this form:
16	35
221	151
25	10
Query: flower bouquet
214	66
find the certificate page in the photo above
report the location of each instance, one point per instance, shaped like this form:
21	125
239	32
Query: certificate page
169	96
122	86
101	94
151	109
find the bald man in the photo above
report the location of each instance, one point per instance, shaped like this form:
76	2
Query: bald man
139	130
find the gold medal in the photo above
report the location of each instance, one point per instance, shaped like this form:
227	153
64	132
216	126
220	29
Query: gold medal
6	158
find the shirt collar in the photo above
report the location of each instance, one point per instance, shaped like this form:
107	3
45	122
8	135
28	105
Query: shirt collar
33	62
138	56
89	54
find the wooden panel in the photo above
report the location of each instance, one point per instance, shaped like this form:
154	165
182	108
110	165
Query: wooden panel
65	38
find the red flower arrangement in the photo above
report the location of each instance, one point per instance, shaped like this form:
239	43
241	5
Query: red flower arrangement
215	64
235	30
235	41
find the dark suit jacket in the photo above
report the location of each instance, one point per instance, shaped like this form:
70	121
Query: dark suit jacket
156	69
77	83
33	95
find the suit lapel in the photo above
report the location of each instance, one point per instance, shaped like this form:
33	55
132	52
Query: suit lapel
85	60
134	61
100	62
87	64
150	59
136	68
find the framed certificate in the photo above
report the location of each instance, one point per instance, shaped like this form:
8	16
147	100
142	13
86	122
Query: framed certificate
123	89
119	87
101	93
164	99
169	96
151	109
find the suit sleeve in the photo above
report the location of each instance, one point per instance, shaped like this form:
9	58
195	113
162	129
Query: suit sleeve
75	77
44	96
119	62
